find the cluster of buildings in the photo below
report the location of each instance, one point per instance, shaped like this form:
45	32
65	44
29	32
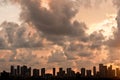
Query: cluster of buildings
102	72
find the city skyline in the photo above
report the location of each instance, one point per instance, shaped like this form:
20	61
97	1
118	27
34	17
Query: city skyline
105	72
59	33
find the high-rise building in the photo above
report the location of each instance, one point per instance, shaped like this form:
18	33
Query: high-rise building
43	72
102	70
35	72
23	71
82	72
61	72
94	71
117	72
110	74
88	73
12	71
54	71
29	72
18	70
69	70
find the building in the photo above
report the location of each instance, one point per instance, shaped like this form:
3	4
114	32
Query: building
54	71
43	72
102	70
61	72
36	72
111	72
82	72
88	72
25	72
12	71
117	72
94	71
18	70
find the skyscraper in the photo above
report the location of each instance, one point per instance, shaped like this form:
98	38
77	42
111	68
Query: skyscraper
61	72
54	71
94	71
88	73
12	71
43	72
35	72
18	70
117	72
82	72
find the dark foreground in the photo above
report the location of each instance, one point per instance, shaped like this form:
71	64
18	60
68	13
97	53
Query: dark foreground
56	78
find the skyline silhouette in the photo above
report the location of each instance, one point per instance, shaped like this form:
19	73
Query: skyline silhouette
24	72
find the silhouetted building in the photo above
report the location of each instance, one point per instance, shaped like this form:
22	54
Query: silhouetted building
15	72
43	72
35	72
88	72
70	72
18	70
117	72
82	72
29	72
25	72
111	73
54	71
102	70
4	75
94	71
61	72
12	71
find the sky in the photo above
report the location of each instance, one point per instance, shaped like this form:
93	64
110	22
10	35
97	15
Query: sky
59	33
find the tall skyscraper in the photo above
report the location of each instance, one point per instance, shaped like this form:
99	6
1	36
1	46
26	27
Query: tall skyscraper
43	72
29	72
82	72
54	71
18	70
12	71
36	72
100	68
69	71
94	71
110	71
23	71
61	72
88	73
117	72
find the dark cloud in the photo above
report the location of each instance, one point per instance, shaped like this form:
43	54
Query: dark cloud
16	36
55	23
97	40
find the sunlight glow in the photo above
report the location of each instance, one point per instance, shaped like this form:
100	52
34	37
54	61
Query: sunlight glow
106	26
45	4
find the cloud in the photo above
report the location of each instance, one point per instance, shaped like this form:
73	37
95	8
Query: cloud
57	56
97	40
112	44
18	36
54	23
56	26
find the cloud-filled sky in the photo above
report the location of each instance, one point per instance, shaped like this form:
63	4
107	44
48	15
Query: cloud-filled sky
59	33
